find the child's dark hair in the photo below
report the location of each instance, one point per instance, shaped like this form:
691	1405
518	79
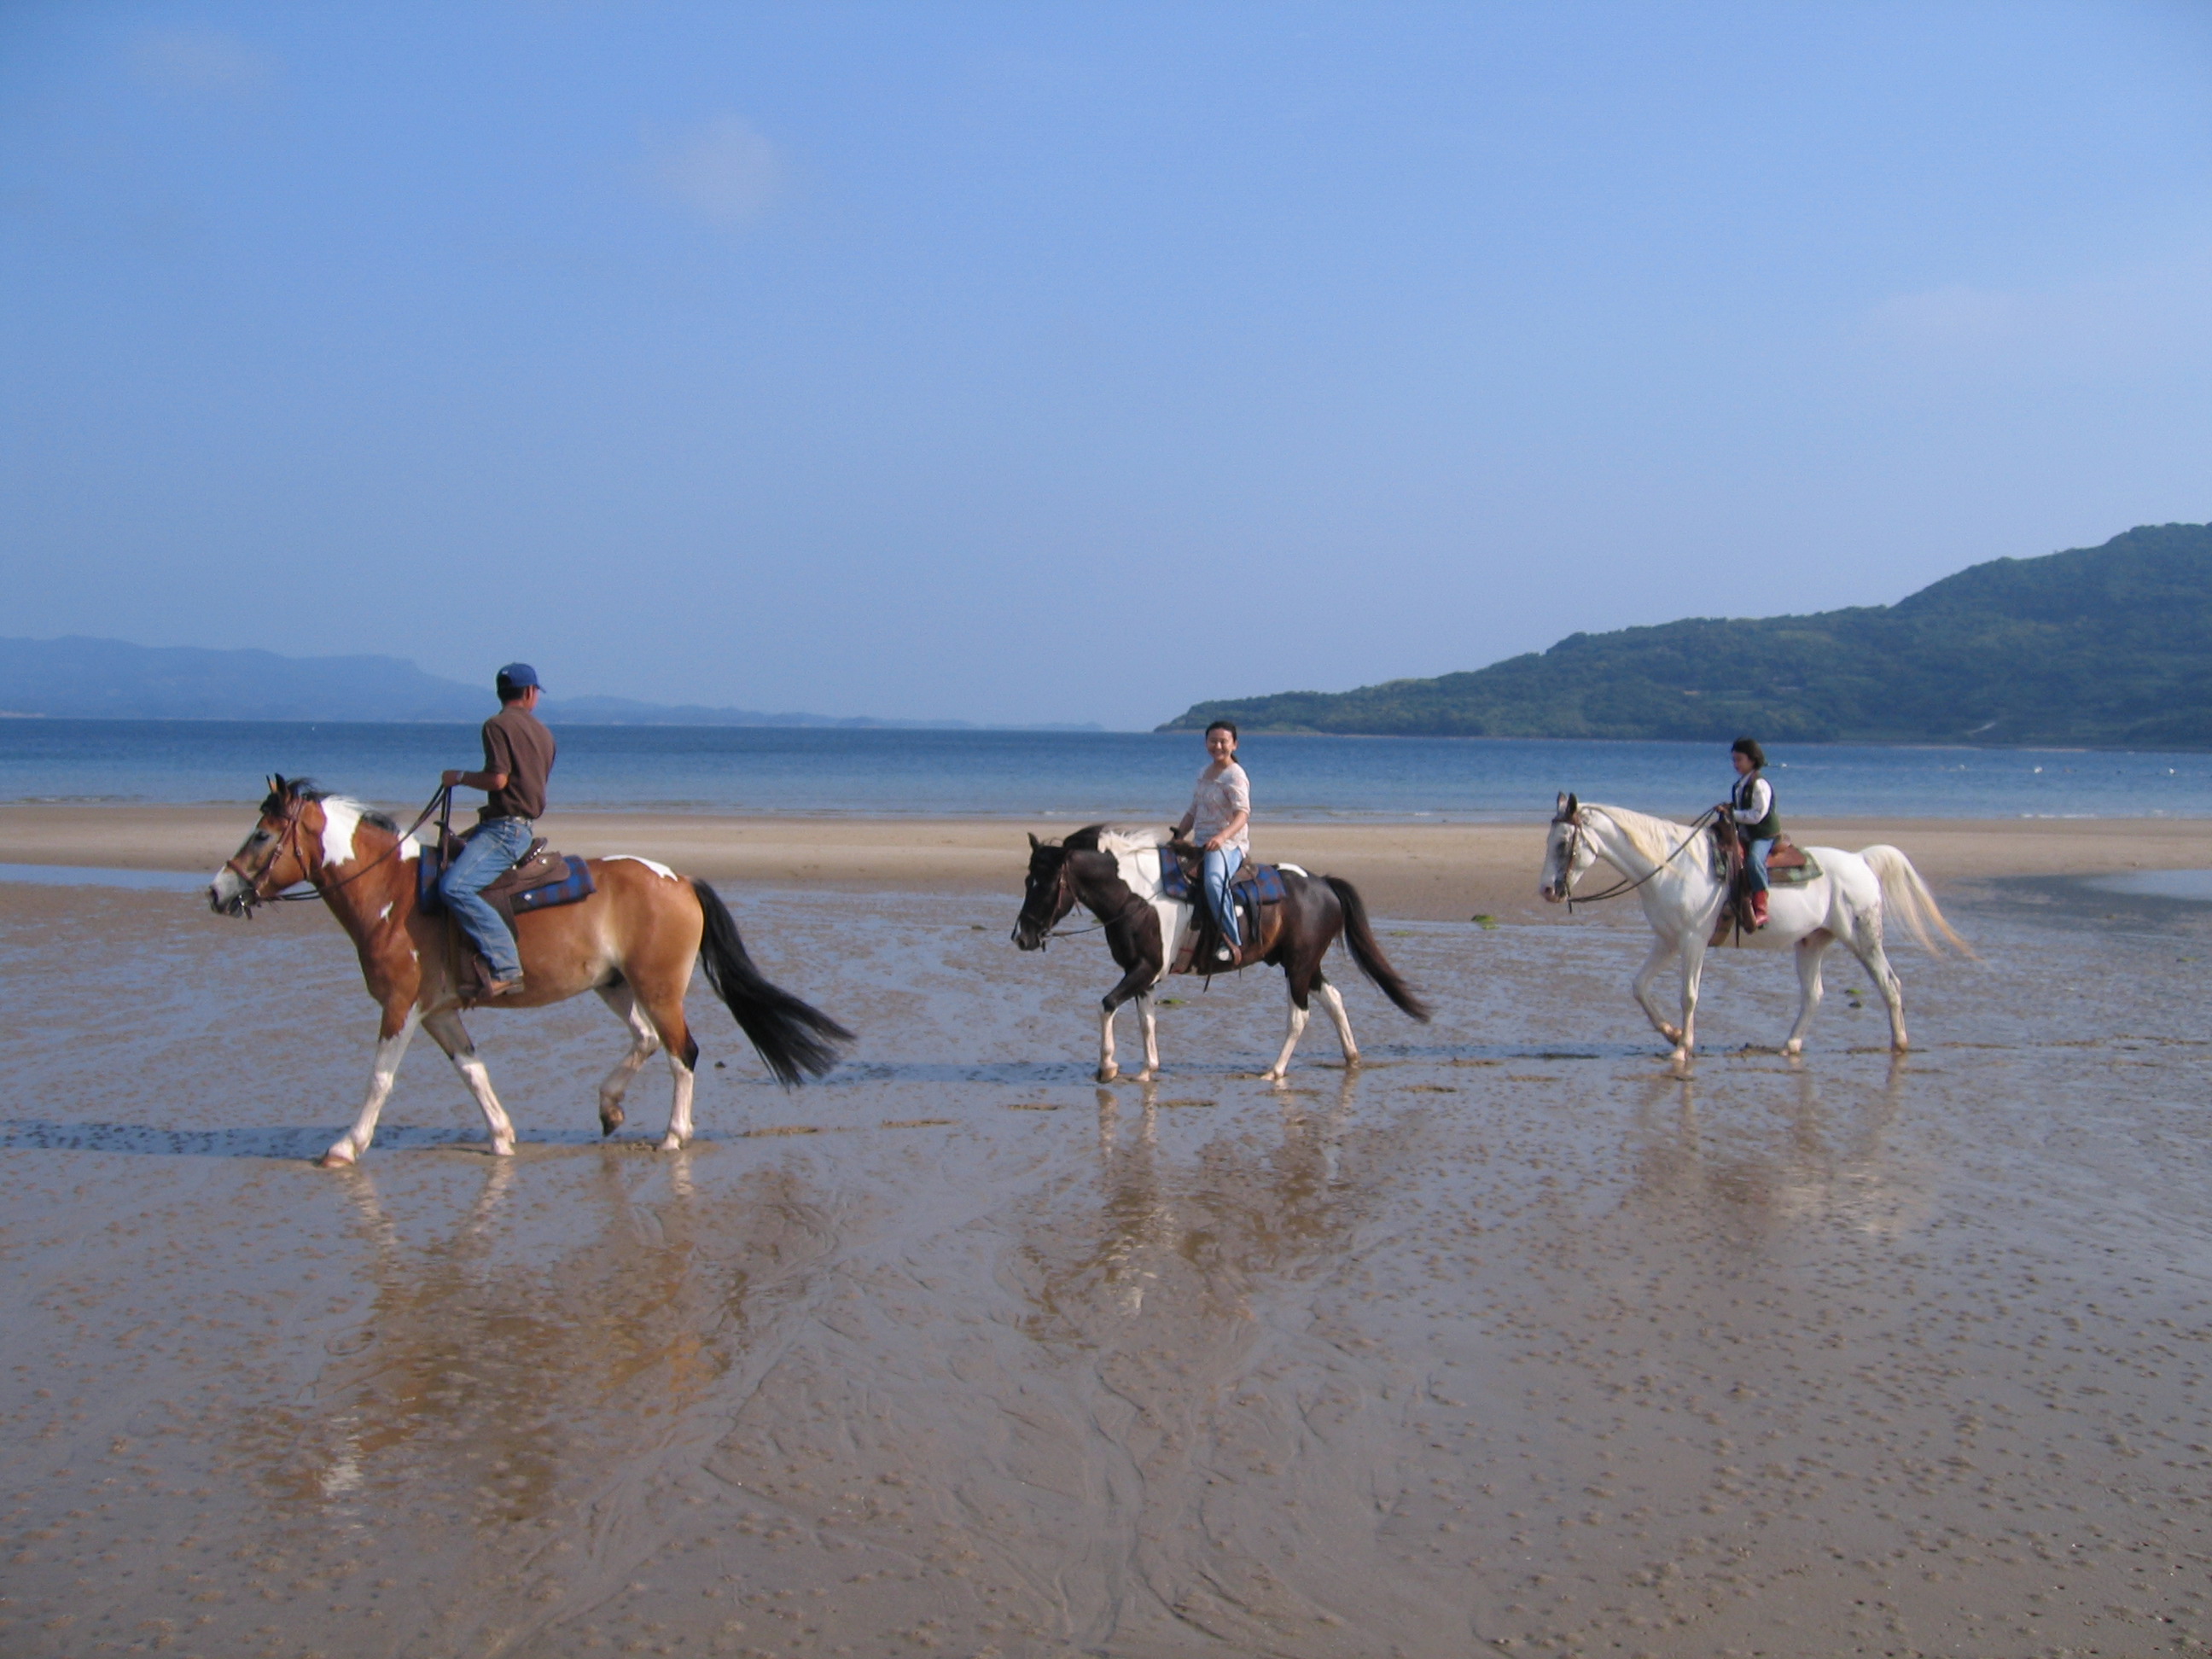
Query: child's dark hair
1749	749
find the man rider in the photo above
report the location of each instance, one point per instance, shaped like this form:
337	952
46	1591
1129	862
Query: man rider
518	760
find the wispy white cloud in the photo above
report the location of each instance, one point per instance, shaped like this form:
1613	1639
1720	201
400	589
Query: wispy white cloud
2121	320
198	60
723	171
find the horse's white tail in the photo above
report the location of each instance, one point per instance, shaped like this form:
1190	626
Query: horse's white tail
1905	896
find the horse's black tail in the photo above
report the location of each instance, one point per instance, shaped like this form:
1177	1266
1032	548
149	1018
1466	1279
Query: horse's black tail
795	1042
1360	939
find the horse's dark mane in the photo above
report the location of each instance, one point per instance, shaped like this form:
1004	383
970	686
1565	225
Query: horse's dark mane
1084	840
303	790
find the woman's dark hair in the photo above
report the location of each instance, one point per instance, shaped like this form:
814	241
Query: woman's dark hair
1749	749
1230	726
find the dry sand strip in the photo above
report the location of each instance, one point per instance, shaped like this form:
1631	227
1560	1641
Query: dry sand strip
1441	872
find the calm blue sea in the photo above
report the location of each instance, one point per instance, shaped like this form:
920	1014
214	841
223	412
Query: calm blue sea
1081	775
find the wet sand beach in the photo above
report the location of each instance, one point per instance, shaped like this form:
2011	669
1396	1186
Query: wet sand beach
1437	872
1508	1341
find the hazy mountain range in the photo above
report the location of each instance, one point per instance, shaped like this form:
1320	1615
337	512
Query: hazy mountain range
76	678
2108	647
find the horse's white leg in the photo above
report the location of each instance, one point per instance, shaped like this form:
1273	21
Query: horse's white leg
643	1040
389	1051
1281	1068
1663	952
679	1113
445	1028
1693	973
1332	999
1108	1071
1145	1017
1865	941
1811	949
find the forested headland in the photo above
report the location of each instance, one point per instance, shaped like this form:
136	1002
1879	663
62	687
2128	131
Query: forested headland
2106	647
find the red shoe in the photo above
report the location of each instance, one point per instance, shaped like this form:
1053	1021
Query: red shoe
1758	909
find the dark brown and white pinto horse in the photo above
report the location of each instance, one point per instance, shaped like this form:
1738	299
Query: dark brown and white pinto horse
634	941
1115	874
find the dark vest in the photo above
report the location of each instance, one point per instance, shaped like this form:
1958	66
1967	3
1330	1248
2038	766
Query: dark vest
1768	827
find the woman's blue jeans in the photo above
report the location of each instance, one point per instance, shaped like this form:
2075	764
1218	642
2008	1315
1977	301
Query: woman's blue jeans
490	854
1754	862
1221	863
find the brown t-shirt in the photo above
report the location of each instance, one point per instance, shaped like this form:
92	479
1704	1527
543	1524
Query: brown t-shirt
516	742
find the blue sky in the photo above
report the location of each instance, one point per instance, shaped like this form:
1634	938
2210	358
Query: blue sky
1075	363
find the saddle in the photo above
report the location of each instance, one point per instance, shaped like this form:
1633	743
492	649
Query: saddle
1788	865
1251	890
541	879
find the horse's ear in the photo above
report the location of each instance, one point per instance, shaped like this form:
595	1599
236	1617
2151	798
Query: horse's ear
1568	806
1034	842
277	785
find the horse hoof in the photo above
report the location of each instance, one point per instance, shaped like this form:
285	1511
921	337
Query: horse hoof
502	1149
340	1157
1794	1047
1898	1047
1108	1073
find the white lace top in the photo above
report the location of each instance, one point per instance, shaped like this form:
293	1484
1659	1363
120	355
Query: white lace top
1217	800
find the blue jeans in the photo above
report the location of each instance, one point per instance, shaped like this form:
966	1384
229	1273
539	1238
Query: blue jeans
1754	863
1221	863
491	853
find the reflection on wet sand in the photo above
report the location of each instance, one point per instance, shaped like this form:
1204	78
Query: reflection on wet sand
1510	1341
1825	1153
497	1407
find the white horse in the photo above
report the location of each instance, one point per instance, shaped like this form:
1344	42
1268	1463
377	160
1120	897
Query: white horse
1670	868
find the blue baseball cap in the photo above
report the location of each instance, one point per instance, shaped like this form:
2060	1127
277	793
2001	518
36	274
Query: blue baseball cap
519	675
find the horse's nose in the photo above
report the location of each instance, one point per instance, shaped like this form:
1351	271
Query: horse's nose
1551	893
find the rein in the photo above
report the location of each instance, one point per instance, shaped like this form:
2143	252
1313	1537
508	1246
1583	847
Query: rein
1574	842
308	893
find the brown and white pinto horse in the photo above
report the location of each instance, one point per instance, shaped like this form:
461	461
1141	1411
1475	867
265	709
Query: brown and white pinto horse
1115	874
634	941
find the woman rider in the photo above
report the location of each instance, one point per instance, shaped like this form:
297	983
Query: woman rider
1220	815
1751	809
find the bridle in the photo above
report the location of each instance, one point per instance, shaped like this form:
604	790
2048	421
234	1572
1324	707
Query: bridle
253	897
1625	885
1061	891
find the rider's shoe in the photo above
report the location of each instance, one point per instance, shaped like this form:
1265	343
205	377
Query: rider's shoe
505	987
1225	954
1759	909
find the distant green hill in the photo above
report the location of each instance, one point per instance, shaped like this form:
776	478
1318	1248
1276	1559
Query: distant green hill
2104	647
